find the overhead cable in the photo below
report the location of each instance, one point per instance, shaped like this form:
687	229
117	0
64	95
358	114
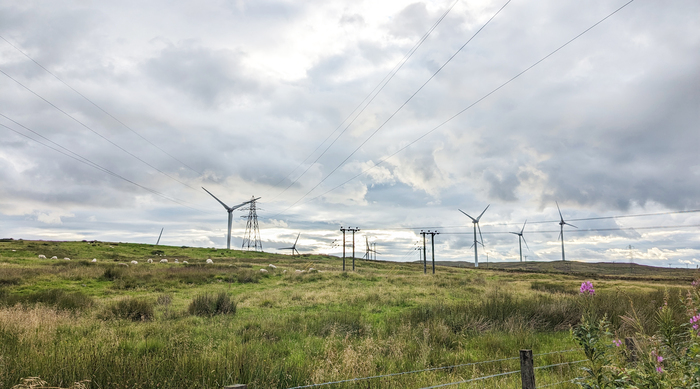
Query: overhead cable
70	154
371	96
97	106
400	107
381	161
97	133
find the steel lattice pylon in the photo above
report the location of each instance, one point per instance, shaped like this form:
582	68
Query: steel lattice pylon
251	238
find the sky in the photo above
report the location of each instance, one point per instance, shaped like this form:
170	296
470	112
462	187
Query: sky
386	116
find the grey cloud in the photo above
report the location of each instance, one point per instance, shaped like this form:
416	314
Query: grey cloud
212	77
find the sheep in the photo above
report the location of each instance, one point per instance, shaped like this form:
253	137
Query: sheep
185	262
311	269
176	260
67	259
94	260
134	263
42	256
164	260
299	271
284	271
54	257
209	260
263	270
272	266
150	260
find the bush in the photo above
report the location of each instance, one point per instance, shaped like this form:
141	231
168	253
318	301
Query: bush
132	308
56	298
112	273
209	305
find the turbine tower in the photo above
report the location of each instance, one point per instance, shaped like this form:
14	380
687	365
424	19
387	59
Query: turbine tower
294	246
476	225
230	217
521	239
561	233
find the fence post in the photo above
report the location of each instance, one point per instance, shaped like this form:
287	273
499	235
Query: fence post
631	350
527	369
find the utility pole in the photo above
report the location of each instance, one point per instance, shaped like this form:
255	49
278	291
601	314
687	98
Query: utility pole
425	262
343	231
631	257
354	230
432	245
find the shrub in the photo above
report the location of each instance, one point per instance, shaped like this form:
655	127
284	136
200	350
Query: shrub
56	298
112	273
209	305
132	308
247	276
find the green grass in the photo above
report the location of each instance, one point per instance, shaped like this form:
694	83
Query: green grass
155	325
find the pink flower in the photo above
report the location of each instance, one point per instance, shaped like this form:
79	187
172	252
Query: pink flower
587	288
617	342
659	369
659	359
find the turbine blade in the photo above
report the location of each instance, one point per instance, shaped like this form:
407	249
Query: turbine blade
528	247
295	242
523	229
221	202
244	203
570	225
482	213
467	215
482	238
514	233
560	216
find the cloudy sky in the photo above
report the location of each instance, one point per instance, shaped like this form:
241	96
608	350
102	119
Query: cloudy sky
389	116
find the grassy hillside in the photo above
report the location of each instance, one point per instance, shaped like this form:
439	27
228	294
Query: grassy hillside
147	325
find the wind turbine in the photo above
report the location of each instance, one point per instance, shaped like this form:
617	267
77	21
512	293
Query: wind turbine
161	234
561	233
294	246
521	239
230	217
476	225
370	250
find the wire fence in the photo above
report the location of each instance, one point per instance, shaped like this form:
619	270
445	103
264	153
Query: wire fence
389	375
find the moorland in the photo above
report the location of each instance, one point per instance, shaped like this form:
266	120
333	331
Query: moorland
115	324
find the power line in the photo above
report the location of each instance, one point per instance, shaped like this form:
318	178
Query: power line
97	106
583	230
401	106
383	83
95	132
467	108
552	221
90	163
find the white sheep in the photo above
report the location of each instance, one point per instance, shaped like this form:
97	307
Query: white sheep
311	269
150	260
209	260
94	260
185	262
54	257
134	263
176	260
272	266
42	256
284	271
164	260
67	259
299	271
263	270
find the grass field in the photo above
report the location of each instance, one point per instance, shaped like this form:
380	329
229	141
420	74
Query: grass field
198	325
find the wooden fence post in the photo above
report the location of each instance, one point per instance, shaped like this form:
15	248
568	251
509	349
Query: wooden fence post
527	369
